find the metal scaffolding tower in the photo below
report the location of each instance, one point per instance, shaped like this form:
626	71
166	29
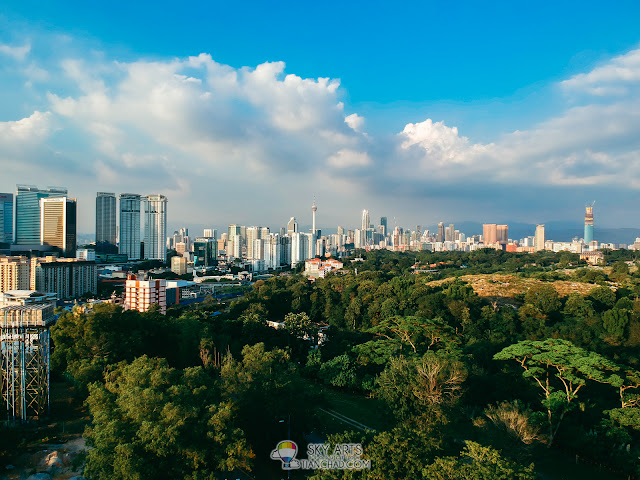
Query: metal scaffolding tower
24	360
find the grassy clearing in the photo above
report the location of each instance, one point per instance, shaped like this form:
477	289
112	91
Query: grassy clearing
500	285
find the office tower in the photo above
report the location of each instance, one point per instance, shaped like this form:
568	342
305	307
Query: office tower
503	234
449	233
27	218
365	228
489	233
6	217
588	224
292	226
383	224
58	224
538	241
155	227
440	237
205	253
106	222
130	225
314	209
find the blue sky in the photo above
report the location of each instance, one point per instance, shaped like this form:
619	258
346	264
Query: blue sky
430	111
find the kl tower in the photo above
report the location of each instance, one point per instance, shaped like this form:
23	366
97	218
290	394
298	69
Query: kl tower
313	221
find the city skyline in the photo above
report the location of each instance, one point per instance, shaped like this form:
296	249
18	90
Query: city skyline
460	129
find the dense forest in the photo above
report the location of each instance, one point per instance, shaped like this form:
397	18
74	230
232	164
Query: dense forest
451	384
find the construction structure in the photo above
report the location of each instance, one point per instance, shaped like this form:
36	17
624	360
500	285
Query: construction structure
25	319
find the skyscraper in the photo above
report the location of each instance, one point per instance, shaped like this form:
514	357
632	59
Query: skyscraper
58	224
155	227
292	226
27	218
383	224
489	233
538	241
588	224
440	237
365	228
130	225
6	217
503	234
106	222
450	233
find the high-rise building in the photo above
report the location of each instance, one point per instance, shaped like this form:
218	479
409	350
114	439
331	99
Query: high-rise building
365	228
210	233
6	217
489	233
440	237
538	241
503	234
292	226
130	225
588	224
450	233
106	222
205	252
155	227
14	273
253	234
58	224
27	217
66	277
383	224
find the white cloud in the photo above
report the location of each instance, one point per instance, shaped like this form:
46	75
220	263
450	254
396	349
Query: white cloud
612	78
28	130
346	158
19	53
354	121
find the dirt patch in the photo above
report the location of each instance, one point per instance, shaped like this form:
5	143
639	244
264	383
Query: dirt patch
500	285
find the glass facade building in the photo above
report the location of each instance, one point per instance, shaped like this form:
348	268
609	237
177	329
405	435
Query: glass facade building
106	222
130	225
6	217
155	227
27	219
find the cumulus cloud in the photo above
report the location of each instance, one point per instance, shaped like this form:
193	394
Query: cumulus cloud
31	129
191	126
595	143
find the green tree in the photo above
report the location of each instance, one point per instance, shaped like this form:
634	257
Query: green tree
477	463
414	385
560	370
151	421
